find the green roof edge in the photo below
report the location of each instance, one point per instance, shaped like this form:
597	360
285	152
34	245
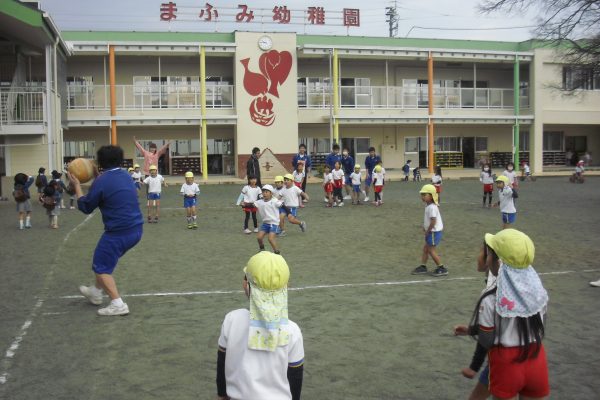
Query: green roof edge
108	36
22	12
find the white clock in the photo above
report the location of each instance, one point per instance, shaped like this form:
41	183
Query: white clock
265	43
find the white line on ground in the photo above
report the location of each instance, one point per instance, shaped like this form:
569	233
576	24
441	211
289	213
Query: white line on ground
330	286
14	346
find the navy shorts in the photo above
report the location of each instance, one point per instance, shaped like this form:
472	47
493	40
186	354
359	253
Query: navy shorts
369	180
293	211
112	246
269	228
484	376
356	188
348	180
138	185
189	202
153	196
434	238
509	218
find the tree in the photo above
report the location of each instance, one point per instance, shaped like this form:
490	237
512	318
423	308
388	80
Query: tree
571	26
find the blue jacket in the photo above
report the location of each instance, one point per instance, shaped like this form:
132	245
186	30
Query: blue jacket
332	158
305	158
371	162
115	194
348	165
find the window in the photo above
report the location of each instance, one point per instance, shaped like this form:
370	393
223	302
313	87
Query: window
447	144
362	145
79	149
185	148
481	144
314	92
580	77
553	141
80	90
524	141
411	145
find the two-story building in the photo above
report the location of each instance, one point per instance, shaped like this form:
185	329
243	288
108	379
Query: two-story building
215	96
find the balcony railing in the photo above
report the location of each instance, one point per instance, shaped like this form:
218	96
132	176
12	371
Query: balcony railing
22	105
140	97
412	97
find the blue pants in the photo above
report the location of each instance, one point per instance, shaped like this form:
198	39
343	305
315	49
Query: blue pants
112	246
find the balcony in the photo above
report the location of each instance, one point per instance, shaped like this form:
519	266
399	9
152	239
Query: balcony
146	97
397	97
22	106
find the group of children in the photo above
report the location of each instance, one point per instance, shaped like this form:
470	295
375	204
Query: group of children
334	180
507	185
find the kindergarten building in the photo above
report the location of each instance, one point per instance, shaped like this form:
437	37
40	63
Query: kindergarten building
218	95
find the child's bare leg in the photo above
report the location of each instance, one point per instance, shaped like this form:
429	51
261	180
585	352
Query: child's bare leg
434	255
273	242
259	237
480	392
425	254
281	222
293	220
149	207
157	208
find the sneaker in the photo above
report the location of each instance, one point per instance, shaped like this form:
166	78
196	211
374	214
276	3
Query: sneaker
366	199
326	200
420	270
71	208
595	283
90	295
303	226
149	220
195	225
347	197
282	234
28	226
341	204
335	205
247	231
440	271
114	310
255	230
189	226
156	220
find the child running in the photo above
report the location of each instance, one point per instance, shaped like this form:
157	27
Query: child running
505	202
299	178
487	179
356	178
508	320
338	184
436	180
22	197
251	193
432	227
378	181
155	182
291	196
190	191
328	185
268	208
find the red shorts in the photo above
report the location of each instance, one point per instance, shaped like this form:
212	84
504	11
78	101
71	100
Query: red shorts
338	183
378	189
329	188
250	209
438	188
298	184
488	188
509	378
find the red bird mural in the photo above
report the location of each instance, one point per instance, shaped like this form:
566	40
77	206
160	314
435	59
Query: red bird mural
254	83
276	67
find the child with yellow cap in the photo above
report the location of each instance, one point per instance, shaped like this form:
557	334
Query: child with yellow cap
432	227
251	192
137	176
291	195
268	208
508	320
356	179
261	351
506	202
189	191
154	182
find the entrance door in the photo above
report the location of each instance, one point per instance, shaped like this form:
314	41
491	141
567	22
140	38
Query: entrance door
468	150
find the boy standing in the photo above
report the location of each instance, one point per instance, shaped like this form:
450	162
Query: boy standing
432	227
505	202
115	195
154	182
370	163
190	191
356	178
261	351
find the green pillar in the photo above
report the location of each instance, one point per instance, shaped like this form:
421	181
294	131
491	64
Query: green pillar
516	101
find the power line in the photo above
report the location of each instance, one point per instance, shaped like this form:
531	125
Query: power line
392	20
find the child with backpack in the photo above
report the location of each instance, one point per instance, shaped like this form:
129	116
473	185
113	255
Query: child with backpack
41	181
61	188
21	196
406	170
48	201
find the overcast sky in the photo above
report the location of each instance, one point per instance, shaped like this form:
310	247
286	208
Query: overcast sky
415	15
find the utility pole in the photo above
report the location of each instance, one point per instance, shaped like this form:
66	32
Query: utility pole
392	20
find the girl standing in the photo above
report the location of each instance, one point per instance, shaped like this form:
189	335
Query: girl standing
487	179
436	180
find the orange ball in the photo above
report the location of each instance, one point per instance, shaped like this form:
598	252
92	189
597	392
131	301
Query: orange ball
82	169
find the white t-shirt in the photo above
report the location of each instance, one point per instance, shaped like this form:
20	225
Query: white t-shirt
526	168
432	211
511	175
269	210
327	178
154	183
256	374
507	205
190	190
378	178
488	318
251	193
290	196
356	178
299	176
337	174
436	180
277	192
486	178
137	176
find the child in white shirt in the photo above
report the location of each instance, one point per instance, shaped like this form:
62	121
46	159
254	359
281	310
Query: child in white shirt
378	182
136	175
487	179
338	184
436	180
291	196
328	185
432	227
190	191
251	193
356	178
505	202
154	182
299	176
268	208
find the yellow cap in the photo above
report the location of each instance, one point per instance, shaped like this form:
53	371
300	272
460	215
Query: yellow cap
504	179
278	178
268	271
289	176
357	166
429	188
153	167
189	174
129	169
378	168
136	166
513	247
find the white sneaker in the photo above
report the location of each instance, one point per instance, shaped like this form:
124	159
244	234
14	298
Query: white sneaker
341	204
247	231
595	283
347	197
303	226
366	199
255	230
90	295
326	200
114	310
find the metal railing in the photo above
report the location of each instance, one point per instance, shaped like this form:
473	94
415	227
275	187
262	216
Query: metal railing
411	97
139	97
22	105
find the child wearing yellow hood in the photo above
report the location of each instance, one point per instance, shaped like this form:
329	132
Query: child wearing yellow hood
432	227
